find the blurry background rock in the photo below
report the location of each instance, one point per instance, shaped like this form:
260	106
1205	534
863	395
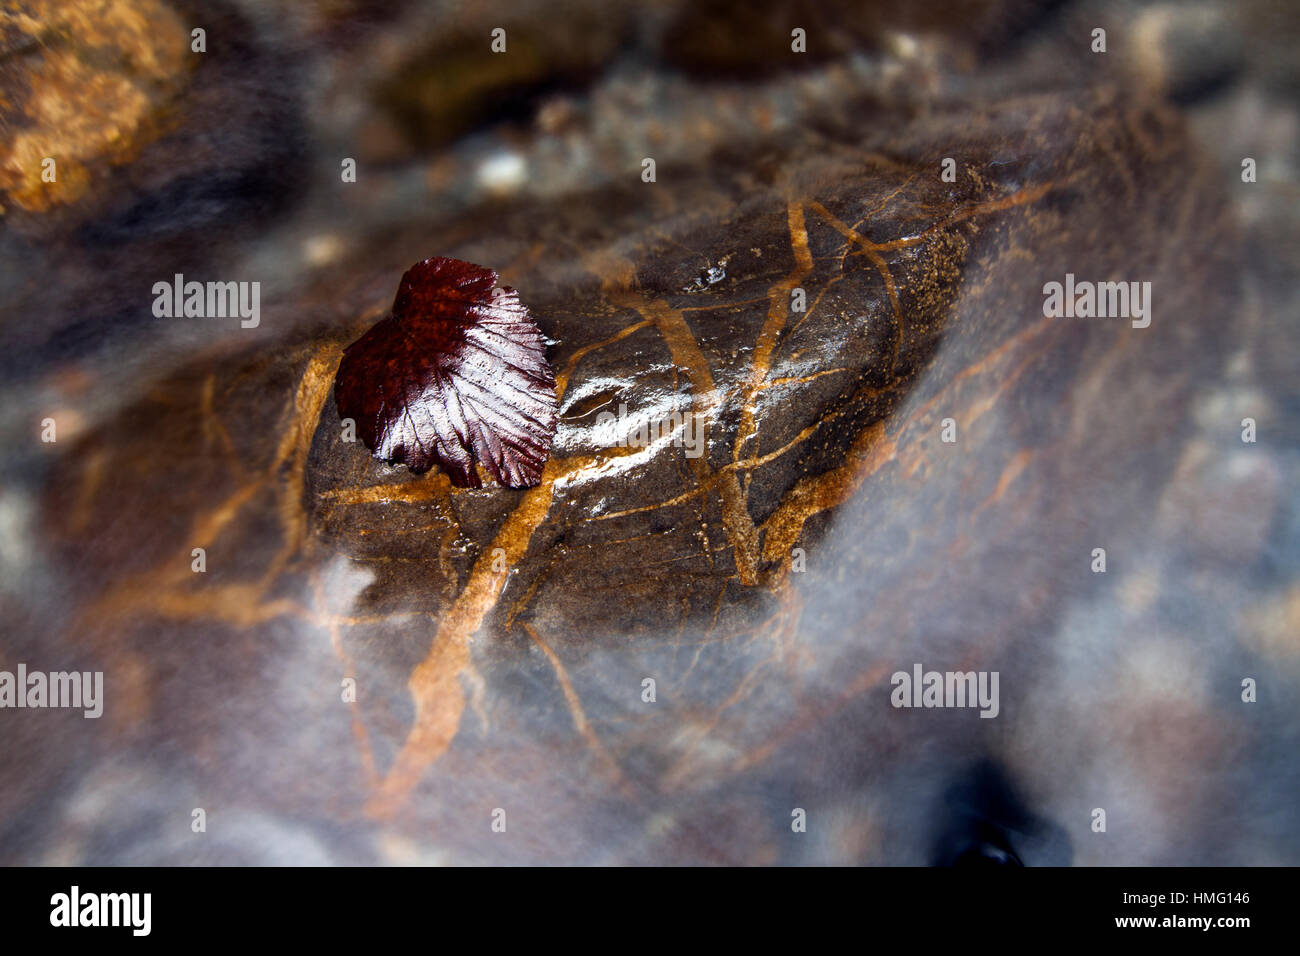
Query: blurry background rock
1120	690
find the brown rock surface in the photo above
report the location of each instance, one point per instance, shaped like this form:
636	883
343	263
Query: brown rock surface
826	537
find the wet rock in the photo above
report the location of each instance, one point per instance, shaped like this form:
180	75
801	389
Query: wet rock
459	612
733	38
174	156
656	655
87	85
458	81
1187	51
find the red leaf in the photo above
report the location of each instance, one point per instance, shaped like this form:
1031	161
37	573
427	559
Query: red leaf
457	374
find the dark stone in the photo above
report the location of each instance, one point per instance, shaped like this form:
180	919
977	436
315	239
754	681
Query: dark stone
499	638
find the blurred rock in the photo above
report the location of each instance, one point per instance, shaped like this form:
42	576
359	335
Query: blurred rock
481	688
88	84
